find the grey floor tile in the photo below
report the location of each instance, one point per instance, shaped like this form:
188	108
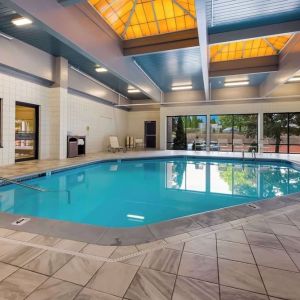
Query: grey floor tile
240	275
290	243
193	289
6	270
199	267
20	284
166	260
214	218
282	229
123	251
55	289
281	219
228	293
88	294
173	227
78	270
18	255
45	240
126	237
232	235
296	258
282	284
48	262
151	285
97	250
22	236
70	245
113	278
202	245
6	232
263	239
235	251
260	226
273	258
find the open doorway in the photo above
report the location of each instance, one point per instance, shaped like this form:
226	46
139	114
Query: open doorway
26	131
150	134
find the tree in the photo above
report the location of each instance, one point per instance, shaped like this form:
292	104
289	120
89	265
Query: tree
275	125
180	136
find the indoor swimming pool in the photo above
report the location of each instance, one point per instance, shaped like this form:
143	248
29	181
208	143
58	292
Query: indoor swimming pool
131	193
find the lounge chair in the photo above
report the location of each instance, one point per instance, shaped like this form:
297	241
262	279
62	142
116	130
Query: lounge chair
114	144
139	143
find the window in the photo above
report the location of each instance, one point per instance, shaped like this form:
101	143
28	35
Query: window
186	133
233	132
281	133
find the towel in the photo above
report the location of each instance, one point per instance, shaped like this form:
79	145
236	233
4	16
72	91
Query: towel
80	142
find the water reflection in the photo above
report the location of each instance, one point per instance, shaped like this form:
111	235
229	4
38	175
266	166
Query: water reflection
236	179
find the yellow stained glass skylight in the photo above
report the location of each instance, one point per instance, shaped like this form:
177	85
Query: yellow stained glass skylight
132	19
248	48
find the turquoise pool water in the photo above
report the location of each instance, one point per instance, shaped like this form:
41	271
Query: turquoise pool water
138	192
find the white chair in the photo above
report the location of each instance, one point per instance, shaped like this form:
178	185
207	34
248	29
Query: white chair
114	144
139	143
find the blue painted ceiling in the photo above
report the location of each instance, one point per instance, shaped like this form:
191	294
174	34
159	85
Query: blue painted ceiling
173	67
254	79
40	39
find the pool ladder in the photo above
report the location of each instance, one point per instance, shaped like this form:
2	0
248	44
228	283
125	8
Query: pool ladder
36	188
253	154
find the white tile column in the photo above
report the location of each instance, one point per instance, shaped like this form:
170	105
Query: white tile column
58	110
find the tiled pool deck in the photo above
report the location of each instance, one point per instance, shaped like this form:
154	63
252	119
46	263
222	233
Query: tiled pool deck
229	254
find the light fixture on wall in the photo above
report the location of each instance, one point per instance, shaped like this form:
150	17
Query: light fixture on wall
100	69
181	87
22	21
295	79
236	83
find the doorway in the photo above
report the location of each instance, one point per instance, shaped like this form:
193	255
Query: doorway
26	131
150	134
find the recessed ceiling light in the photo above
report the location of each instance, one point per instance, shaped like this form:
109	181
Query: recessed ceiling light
100	69
294	79
236	83
21	21
133	91
182	87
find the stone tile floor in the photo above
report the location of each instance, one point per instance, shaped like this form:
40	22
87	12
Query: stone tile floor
258	258
251	259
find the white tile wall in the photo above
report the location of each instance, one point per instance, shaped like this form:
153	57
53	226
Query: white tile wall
60	112
96	121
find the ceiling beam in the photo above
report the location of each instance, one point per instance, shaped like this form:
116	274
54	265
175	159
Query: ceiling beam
83	30
200	7
244	66
289	64
70	2
189	38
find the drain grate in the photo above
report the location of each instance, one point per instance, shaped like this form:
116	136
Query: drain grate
253	206
21	221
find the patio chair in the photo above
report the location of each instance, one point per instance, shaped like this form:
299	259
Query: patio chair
139	143
114	144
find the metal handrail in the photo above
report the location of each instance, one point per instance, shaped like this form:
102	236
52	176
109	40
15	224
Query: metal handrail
35	187
23	184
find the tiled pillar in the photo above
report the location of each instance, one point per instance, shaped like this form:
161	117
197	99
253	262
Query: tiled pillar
58	111
260	132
